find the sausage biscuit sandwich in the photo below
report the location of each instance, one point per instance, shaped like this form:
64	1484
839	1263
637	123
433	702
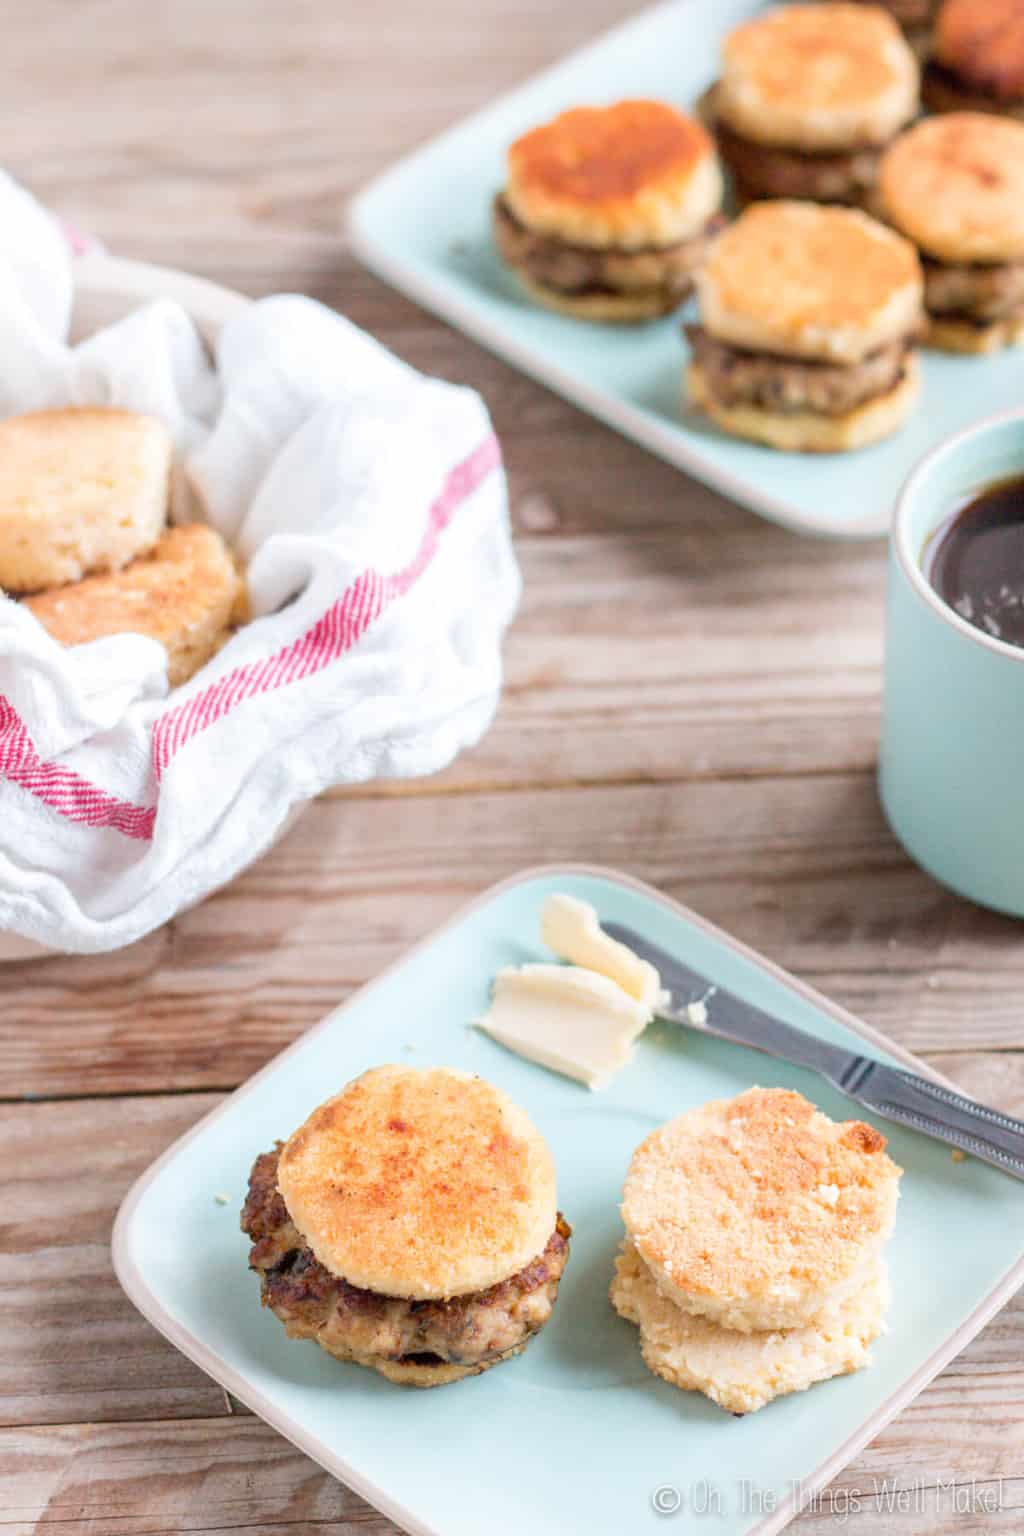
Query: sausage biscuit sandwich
808	98
807	321
955	186
410	1225
607	211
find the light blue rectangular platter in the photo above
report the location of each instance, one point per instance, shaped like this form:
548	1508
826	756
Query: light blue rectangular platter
424	227
575	1434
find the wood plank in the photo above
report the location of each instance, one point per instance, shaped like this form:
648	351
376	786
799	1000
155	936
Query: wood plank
635	657
154	1479
286	111
73	1345
208	1476
803	869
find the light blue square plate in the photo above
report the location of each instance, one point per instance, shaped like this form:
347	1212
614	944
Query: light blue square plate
575	1434
424	227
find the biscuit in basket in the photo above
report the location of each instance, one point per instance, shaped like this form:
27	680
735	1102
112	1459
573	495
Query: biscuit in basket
759	1212
82	489
607	211
187	593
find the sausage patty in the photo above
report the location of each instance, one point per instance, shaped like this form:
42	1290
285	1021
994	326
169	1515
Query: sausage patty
766	171
737	377
943	90
974	291
474	1330
577	269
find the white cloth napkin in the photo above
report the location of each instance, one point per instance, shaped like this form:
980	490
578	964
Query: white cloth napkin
371	506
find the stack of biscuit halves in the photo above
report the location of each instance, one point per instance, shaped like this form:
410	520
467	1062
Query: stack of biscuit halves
753	1260
84	501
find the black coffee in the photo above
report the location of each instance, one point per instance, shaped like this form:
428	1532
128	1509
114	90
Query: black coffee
976	561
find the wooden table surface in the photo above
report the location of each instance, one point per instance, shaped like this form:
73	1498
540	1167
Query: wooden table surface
692	695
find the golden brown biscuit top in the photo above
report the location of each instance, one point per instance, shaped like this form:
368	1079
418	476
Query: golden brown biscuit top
743	1195
819	56
73	451
188	572
983	41
420	1183
810	281
955	185
632	175
602	154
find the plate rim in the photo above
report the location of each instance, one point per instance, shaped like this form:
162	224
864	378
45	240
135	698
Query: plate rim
134	1285
628	420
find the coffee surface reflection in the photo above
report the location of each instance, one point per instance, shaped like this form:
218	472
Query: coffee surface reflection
975	561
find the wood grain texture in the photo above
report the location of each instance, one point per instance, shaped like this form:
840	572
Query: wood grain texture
692	695
801	867
209	1476
73	1345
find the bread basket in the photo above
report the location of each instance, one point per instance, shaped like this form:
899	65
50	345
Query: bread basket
369	505
107	289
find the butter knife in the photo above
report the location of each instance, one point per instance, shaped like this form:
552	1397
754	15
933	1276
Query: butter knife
698	1003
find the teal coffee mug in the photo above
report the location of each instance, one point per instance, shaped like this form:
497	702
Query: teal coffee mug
951	766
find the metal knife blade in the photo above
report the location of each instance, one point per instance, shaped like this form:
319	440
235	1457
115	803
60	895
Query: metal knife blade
887	1091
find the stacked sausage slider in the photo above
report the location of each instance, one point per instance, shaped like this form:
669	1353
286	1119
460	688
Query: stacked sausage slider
607	210
808	315
410	1225
808	98
955	186
977	61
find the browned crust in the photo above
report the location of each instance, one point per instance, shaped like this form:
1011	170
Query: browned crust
983	42
605	155
860	1137
810	280
749	1172
422	1182
185	593
954	184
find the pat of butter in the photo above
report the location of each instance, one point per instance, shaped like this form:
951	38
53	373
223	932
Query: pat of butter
573	1020
571	928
